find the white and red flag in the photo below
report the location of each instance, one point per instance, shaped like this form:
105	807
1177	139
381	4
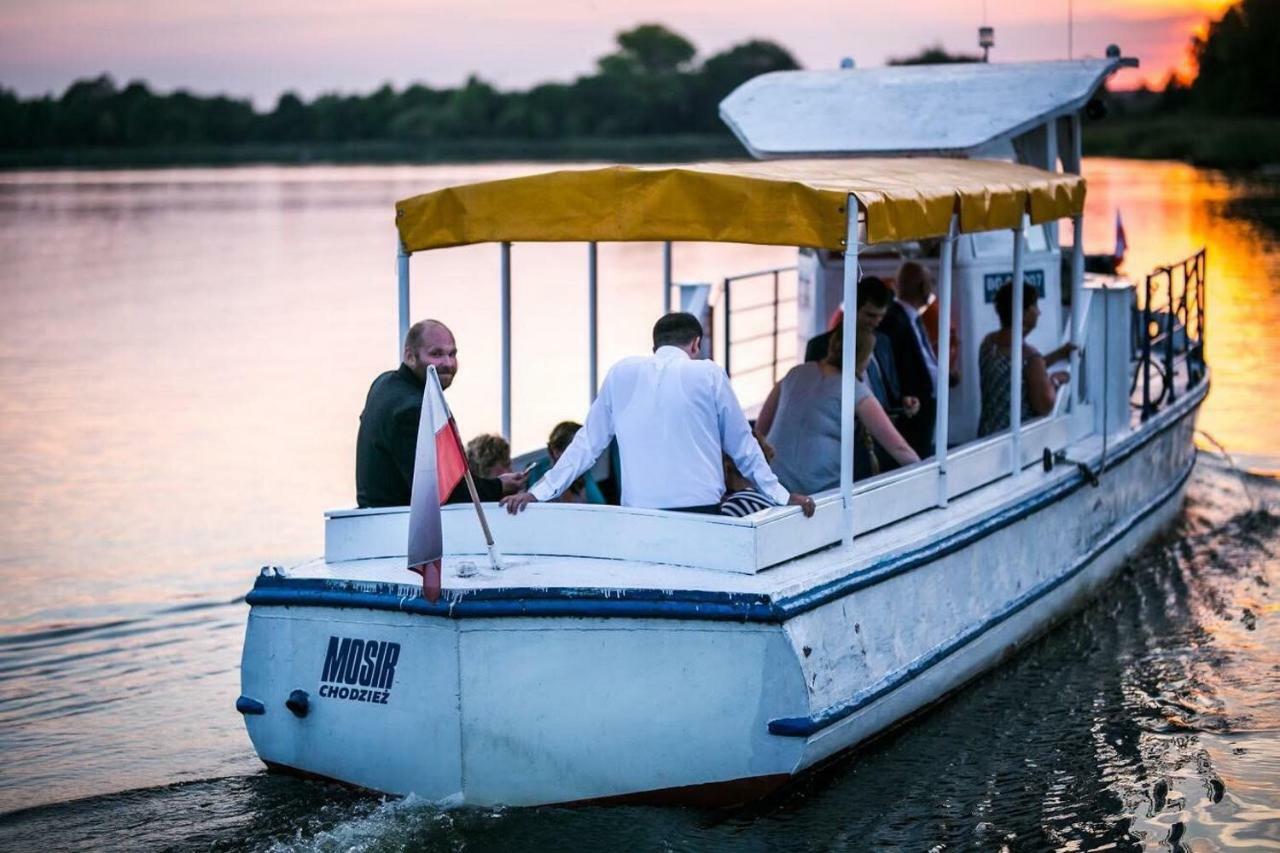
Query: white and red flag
440	464
1121	243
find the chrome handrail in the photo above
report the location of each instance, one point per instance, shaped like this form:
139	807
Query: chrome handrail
1173	325
775	303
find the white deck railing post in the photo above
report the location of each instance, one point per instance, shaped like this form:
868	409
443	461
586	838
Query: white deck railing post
848	357
1051	164
1077	272
1015	353
666	277
504	309
1075	330
943	390
592	320
402	286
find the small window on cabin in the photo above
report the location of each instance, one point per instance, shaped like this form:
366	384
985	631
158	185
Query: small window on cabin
999	244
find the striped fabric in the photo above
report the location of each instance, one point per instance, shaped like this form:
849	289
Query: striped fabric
745	502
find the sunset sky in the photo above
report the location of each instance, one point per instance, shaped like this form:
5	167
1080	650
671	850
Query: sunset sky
258	48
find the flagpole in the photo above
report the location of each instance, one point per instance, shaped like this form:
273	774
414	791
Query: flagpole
494	557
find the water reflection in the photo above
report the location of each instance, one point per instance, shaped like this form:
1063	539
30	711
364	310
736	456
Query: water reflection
1170	210
182	361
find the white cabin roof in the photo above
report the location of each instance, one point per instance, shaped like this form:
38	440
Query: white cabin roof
952	109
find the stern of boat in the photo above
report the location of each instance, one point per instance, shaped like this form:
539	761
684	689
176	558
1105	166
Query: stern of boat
361	696
515	695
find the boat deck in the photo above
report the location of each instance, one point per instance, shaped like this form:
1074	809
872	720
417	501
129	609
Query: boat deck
770	594
908	540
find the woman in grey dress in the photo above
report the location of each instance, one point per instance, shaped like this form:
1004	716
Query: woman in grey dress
995	366
801	419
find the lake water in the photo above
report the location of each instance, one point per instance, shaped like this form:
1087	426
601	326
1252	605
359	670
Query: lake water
183	357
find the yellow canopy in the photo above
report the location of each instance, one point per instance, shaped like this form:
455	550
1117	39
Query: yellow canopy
777	202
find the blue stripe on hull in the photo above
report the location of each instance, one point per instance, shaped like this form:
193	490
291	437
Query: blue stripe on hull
634	604
805	726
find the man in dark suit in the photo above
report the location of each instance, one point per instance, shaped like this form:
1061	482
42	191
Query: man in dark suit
913	354
388	438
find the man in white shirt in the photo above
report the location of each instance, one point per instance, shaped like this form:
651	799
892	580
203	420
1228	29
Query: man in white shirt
674	416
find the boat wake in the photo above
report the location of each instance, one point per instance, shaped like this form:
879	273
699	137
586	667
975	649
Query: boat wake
390	825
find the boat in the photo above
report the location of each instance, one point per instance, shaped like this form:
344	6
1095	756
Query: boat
628	654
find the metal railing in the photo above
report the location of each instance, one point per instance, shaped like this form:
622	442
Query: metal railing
772	300
1170	321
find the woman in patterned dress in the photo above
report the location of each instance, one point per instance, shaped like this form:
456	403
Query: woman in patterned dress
995	366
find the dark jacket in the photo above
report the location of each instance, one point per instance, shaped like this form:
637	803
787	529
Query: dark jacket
913	376
388	442
913	372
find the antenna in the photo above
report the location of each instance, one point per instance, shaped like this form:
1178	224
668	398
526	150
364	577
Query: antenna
986	34
986	40
1070	28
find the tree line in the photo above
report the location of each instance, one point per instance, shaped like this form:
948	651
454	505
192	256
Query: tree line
651	84
1237	65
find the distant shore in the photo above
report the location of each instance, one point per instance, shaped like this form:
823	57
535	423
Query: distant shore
639	149
1225	143
1213	141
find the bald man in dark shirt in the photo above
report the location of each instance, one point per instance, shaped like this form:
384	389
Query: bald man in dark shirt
387	442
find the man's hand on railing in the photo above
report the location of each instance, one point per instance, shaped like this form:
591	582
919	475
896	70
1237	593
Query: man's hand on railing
804	502
517	502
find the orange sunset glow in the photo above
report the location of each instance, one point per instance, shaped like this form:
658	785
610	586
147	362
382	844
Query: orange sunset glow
260	49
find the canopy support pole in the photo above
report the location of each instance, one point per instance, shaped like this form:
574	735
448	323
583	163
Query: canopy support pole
666	277
1077	273
848	355
505	310
1051	164
943	389
1015	353
592	320
402	285
1075	333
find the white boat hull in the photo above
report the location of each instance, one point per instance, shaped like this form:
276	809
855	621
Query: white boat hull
596	697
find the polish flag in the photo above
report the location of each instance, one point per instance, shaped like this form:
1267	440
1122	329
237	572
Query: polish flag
1121	242
438	467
